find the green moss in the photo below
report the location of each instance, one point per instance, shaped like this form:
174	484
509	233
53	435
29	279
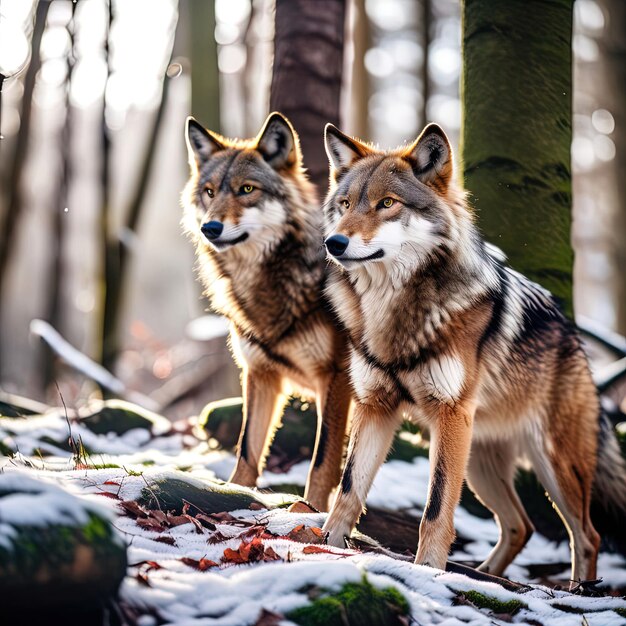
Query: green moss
296	490
354	604
169	494
55	546
516	149
117	416
482	601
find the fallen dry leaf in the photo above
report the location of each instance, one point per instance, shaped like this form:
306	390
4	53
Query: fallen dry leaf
320	550
133	509
304	534
170	541
202	565
301	507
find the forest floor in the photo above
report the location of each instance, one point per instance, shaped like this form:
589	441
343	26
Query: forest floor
200	553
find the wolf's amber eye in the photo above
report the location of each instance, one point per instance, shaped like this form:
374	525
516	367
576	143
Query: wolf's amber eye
247	189
345	203
209	192
387	202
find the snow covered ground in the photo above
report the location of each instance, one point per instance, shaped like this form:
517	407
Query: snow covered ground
225	569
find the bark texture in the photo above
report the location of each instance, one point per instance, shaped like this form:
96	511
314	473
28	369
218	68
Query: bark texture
205	79
517	132
306	81
613	58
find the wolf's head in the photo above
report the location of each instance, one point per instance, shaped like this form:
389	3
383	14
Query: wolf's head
238	190
392	209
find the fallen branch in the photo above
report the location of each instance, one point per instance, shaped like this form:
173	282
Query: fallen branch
609	339
86	366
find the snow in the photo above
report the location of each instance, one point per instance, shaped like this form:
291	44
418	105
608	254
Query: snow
54	491
39	502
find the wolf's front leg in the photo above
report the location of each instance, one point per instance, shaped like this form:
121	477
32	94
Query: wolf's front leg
263	404
333	405
370	439
450	439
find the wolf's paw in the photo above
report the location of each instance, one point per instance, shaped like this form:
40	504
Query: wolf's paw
336	535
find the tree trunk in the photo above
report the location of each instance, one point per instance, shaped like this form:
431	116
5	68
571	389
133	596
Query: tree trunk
613	58
426	20
55	280
517	131
15	204
308	64
205	79
358	125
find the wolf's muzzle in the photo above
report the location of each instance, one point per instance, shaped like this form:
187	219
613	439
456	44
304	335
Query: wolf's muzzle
337	244
212	230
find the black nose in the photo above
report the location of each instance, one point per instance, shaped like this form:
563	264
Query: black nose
337	244
212	230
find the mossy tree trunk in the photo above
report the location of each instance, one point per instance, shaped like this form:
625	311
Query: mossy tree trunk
517	132
613	60
307	73
205	79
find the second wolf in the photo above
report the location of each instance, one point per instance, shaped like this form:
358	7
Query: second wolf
445	333
254	218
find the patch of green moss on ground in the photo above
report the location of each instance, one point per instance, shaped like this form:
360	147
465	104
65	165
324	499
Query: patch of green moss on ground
482	601
354	604
56	545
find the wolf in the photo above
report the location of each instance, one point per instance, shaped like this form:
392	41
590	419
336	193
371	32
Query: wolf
443	332
255	220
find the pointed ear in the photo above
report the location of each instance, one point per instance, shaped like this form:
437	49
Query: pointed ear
278	142
431	157
342	150
201	143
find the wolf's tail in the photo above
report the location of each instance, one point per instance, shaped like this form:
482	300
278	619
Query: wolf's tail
609	492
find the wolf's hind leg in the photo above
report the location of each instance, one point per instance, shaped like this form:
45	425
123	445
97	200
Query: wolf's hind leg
333	405
490	475
567	476
263	404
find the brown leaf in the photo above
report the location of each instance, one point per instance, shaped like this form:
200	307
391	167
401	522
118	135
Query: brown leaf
246	553
133	509
232	556
142	579
151	565
253	531
170	541
202	565
303	534
216	537
108	494
196	523
158	515
320	550
270	555
301	507
206	521
255	506
150	524
111	482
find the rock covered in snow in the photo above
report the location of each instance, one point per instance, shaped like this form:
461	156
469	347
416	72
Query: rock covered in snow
54	546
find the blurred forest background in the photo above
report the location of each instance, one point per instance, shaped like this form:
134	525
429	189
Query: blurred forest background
92	163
